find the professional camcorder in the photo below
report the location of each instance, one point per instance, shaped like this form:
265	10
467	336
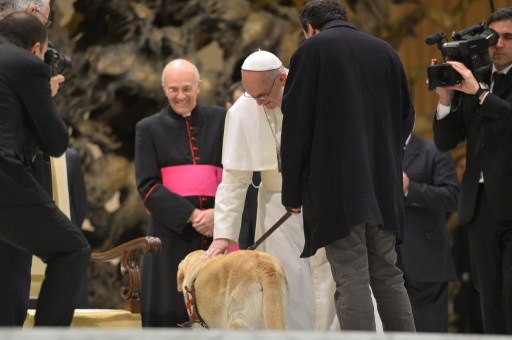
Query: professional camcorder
469	46
58	61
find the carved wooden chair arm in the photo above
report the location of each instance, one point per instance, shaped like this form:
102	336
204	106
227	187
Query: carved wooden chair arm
129	266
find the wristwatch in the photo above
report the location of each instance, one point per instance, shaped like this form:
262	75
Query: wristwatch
482	87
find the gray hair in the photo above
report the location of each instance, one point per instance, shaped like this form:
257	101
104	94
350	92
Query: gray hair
10	6
276	73
270	74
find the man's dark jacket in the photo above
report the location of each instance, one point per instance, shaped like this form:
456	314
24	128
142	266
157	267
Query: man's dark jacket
24	97
27	119
487	128
347	113
433	191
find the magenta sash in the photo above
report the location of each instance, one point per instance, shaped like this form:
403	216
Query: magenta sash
192	180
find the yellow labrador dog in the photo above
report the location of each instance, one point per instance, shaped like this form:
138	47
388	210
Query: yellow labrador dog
244	289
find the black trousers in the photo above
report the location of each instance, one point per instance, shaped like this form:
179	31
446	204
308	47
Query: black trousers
14	284
43	230
490	246
248	227
429	302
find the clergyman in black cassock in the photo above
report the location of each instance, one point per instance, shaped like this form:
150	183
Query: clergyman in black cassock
178	168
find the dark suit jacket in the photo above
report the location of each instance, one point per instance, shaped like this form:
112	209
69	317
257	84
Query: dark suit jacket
346	118
28	120
488	131
433	191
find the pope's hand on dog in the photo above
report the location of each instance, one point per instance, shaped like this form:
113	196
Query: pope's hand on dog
219	246
202	221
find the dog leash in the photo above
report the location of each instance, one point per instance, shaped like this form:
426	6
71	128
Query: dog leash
270	231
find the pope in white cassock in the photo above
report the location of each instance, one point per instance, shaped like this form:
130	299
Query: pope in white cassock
252	138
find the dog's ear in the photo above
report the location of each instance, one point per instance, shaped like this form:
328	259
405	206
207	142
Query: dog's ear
189	268
180	276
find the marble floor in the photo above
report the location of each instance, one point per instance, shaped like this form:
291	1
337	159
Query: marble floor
178	334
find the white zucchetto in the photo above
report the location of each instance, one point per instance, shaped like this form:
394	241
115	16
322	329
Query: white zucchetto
261	61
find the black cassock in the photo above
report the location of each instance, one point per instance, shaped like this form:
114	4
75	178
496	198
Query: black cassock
178	166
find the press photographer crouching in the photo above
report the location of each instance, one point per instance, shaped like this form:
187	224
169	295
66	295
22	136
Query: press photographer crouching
479	110
31	222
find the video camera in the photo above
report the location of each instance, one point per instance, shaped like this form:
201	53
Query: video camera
58	61
469	46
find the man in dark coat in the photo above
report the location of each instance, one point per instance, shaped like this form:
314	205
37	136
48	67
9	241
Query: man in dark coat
30	219
347	115
482	115
431	191
15	281
178	168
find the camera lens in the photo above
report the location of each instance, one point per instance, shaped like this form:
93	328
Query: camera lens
491	36
58	61
446	74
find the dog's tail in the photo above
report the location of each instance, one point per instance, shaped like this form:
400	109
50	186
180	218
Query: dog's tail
274	300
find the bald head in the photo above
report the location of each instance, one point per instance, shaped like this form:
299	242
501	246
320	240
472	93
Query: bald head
181	84
180	65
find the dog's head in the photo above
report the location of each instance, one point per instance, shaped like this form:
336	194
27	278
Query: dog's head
189	267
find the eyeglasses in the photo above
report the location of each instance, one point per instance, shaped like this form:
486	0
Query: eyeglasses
174	90
48	22
262	98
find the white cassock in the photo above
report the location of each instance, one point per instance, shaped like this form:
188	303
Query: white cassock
251	141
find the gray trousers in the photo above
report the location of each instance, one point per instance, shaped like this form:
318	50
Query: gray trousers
367	258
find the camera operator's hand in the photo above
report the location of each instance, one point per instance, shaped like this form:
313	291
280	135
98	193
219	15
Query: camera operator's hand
469	85
445	95
55	82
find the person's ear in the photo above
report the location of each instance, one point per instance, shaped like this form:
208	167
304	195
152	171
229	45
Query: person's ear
31	9
310	31
282	78
36	49
199	85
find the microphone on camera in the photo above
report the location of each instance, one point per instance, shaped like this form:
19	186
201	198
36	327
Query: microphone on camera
435	38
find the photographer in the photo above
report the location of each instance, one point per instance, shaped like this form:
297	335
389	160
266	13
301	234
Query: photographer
481	114
15	277
41	10
31	222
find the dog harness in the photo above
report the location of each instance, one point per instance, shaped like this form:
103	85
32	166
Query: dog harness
193	313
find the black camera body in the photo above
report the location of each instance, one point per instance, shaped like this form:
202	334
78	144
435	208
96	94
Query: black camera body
470	47
442	75
59	63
